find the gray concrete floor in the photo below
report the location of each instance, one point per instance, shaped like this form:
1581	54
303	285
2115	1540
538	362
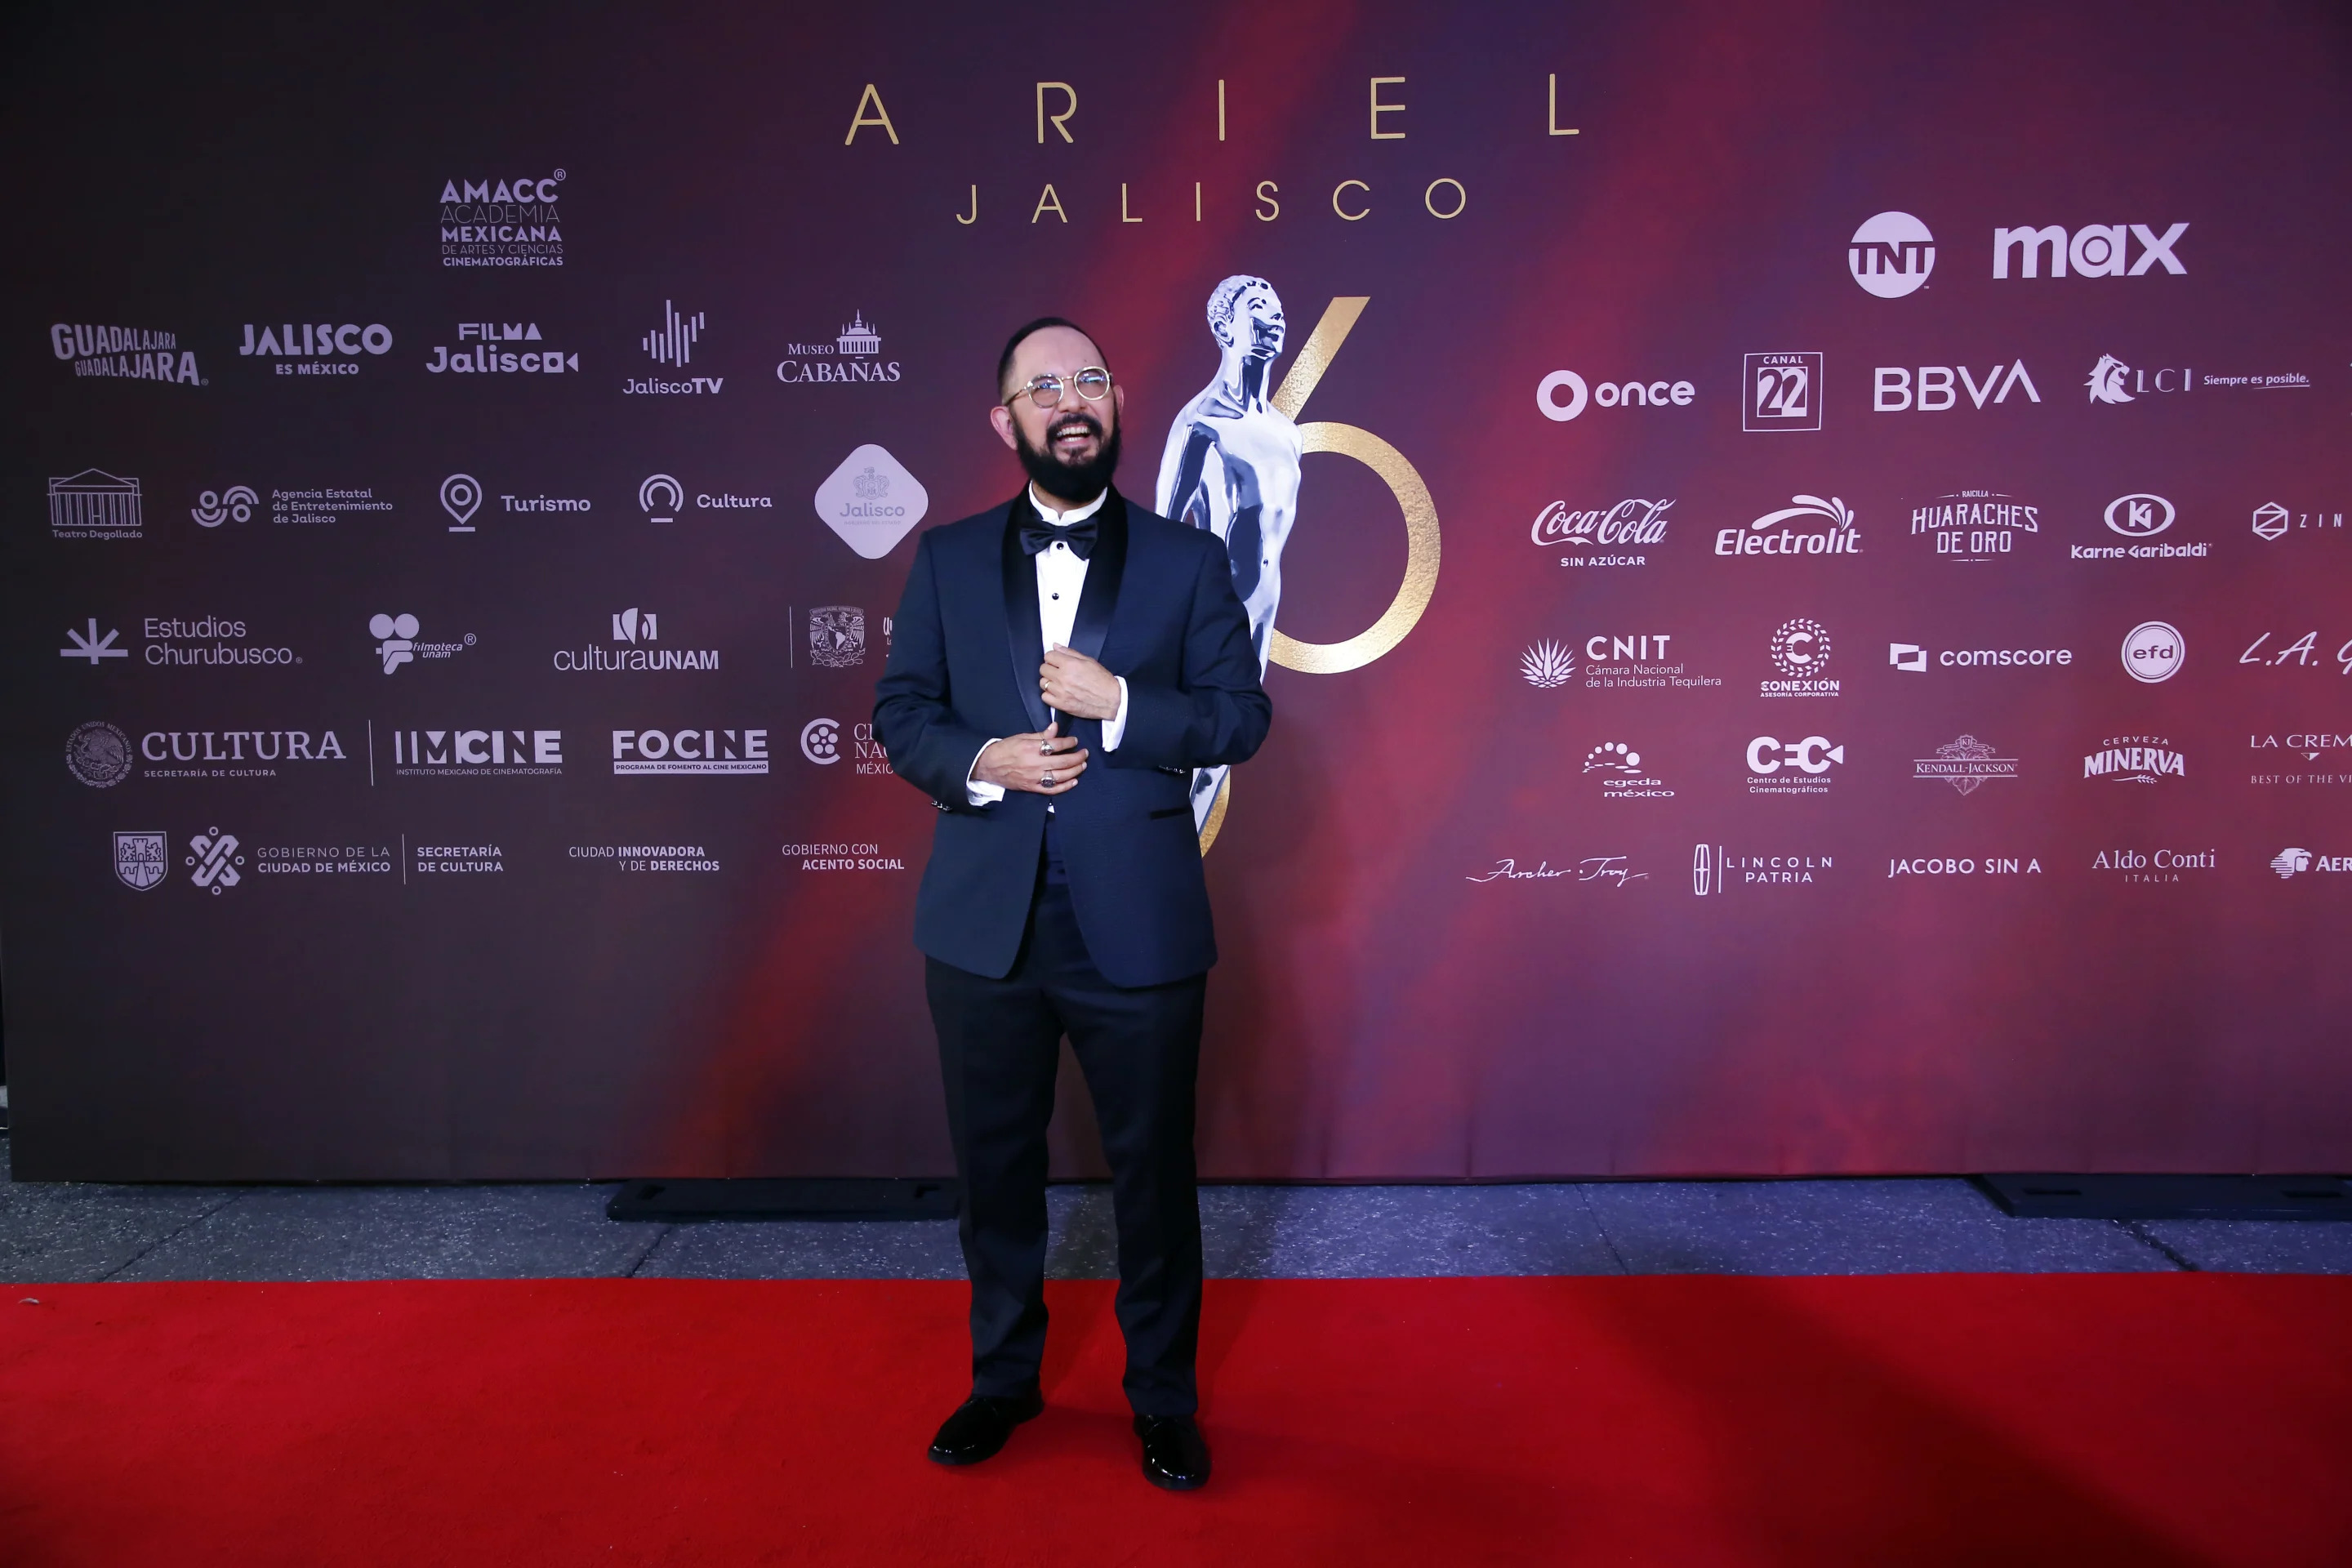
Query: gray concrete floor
62	1231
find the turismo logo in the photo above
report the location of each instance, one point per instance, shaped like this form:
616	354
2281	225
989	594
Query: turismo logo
502	223
1610	870
1937	389
490	348
1546	666
1563	394
396	642
2302	653
1623	775
1781	392
2274	522
1801	652
1967	764
143	858
2140	517
2134	759
1975	526
1810	525
171	642
95	504
852	357
212	861
1791	767
1914	659
871	501
477	753
2292	862
634	650
836	636
697	752
316	348
2152	867
1599	537
1716	869
125	353
672	343
1964	865
2153	651
1892	255
461	497
2095	250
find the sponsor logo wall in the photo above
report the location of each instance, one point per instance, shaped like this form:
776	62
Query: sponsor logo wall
455	647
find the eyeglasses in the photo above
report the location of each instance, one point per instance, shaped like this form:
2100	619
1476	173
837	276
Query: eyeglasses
1046	391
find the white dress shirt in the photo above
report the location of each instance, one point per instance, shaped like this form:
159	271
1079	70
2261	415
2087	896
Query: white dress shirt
1061	579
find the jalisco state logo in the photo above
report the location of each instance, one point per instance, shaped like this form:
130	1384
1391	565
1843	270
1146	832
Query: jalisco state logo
871	501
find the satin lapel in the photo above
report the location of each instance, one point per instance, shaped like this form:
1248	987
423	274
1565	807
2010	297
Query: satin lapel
1022	629
1105	567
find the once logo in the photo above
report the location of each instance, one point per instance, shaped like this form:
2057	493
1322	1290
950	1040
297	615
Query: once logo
99	754
461	494
1781	392
2153	651
2139	516
821	741
1892	255
2095	251
660	497
1561	396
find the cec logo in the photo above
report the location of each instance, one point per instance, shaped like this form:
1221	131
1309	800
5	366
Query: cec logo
1892	255
2153	651
1813	754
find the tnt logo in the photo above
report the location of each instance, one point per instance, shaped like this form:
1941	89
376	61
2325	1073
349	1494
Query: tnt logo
1892	255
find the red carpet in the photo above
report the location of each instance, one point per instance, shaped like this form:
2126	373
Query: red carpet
2144	1420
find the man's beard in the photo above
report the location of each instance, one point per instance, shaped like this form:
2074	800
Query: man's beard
1074	482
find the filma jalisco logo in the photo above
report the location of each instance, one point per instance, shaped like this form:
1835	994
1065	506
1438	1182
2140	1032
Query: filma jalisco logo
1781	392
1809	525
497	348
1892	255
672	343
1801	652
1563	394
126	353
1601	535
316	348
510	221
2095	250
1975	526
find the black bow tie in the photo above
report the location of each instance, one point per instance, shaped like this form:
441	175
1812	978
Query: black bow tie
1036	533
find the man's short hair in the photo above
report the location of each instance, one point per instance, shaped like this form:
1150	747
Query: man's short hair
1028	330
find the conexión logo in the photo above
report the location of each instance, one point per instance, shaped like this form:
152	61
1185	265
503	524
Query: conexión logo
1892	255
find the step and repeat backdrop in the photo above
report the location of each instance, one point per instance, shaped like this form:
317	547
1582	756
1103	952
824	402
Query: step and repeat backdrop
1803	548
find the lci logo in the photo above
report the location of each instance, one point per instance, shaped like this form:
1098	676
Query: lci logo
1892	255
2153	651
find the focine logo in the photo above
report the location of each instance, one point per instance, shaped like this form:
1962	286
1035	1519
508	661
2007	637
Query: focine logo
871	501
642	751
2095	251
1892	255
1781	392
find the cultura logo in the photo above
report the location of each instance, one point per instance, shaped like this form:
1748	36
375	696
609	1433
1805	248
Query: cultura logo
660	497
1547	664
1938	389
1812	525
1892	255
2095	251
1781	392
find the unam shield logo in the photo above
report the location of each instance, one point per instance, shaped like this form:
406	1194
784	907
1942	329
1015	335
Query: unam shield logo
141	860
837	636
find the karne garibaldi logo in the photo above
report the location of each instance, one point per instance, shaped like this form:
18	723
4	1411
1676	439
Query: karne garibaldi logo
1395	470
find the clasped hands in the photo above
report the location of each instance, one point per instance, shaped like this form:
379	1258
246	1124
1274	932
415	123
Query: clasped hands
1046	762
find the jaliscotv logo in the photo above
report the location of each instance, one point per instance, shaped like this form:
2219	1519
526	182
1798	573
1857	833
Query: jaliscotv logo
2095	250
1967	764
1891	255
635	649
672	345
852	357
177	642
102	755
1936	388
1974	527
1602	536
1809	525
1781	392
125	353
1622	774
1564	395
2134	759
1777	767
1716	868
1800	650
315	348
495	348
2139	518
511	222
871	501
95	504
477	753
637	753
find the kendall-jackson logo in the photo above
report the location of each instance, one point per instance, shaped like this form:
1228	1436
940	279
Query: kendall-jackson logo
1812	525
2134	759
455	754
1800	651
871	501
478	351
1623	777
852	356
1974	526
1791	767
95	504
2140	517
1599	537
204	640
1964	865
634	632
126	353
1716	869
101	757
315	348
2153	866
1967	764
636	751
672	343
1637	663
1610	870
502	223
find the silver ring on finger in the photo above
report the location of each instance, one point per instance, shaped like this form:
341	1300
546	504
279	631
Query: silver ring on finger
1049	780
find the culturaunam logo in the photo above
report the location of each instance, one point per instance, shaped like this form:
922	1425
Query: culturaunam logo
1831	531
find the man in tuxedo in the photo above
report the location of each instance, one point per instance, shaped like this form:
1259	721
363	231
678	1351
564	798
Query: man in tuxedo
1059	666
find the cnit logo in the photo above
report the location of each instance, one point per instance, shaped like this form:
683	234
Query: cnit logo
2095	250
1891	255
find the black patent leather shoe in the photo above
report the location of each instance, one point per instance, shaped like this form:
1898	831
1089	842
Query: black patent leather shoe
980	1425
1175	1455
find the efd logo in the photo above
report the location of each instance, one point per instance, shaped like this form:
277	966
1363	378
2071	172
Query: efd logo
1892	255
2153	651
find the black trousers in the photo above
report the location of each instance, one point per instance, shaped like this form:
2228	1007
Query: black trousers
1139	1049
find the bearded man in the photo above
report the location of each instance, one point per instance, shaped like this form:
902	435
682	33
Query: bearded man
1060	666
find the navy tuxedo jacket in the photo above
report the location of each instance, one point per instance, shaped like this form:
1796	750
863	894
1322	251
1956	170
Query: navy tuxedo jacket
1159	609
